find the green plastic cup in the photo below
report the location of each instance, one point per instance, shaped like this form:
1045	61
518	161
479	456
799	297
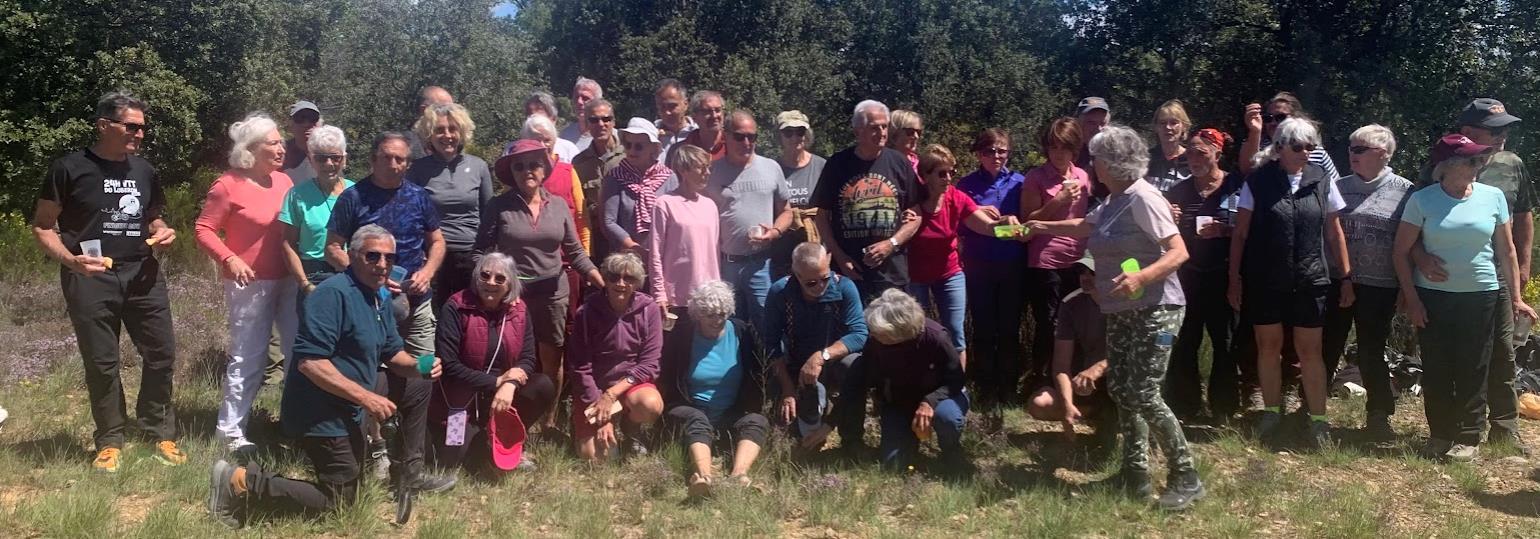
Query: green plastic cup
425	365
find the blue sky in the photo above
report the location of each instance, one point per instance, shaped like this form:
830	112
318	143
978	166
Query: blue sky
505	9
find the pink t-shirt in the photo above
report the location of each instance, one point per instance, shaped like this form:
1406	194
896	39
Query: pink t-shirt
933	250
1048	251
247	214
684	246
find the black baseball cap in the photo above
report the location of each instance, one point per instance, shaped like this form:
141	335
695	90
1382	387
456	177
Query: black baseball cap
1487	112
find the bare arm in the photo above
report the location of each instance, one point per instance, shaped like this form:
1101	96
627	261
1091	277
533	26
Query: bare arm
337	251
1063	355
291	255
1073	228
45	222
980	221
1238	242
1034	207
1337	242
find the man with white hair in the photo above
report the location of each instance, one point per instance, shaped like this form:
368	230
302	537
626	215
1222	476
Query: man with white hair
583	91
861	198
813	319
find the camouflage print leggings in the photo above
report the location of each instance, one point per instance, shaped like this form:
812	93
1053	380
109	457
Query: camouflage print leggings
1138	347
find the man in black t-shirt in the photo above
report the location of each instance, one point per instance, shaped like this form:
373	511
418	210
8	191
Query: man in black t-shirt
862	196
99	215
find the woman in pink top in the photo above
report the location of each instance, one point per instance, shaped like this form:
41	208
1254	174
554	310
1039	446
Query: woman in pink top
685	227
934	267
1056	191
243	205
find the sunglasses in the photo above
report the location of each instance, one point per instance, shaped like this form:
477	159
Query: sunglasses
1360	150
944	172
600	119
995	151
635	146
493	278
812	284
373	257
794	132
913	131
328	157
1274	118
1302	148
130	127
745	137
628	279
525	166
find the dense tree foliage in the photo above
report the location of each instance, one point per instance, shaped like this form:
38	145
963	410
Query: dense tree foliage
963	64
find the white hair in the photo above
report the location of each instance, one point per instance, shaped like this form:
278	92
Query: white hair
864	109
1375	135
546	101
1292	131
366	233
538	127
712	299
497	262
809	255
585	82
327	138
1123	151
251	131
896	316
627	264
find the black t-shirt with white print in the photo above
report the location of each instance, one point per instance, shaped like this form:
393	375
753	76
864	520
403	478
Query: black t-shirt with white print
104	200
865	202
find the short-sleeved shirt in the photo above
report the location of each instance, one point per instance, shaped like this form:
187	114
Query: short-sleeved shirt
1003	191
933	250
1369	223
105	200
1459	231
865	201
1048	251
309	210
349	325
1211	254
1166	173
406	211
459	188
1081	320
715	374
746	196
1505	171
802	180
1131	225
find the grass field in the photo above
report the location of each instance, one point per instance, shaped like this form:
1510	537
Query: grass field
1029	482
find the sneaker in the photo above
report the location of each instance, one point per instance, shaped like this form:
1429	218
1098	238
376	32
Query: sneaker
1461	453
107	460
700	485
1182	490
1319	437
1378	428
4	415
1135	483
167	453
434	483
1435	448
379	460
1268	427
222	500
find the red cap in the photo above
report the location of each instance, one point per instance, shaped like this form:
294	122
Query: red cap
503	169
507	433
1456	145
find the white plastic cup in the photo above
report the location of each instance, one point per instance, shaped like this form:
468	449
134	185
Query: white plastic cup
669	319
1522	325
1202	221
91	248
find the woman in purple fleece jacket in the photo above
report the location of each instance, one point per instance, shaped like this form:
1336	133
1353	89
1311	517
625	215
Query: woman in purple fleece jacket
612	357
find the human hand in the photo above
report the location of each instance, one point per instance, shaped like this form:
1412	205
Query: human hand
1430	266
1253	118
87	265
1346	297
242	273
923	416
1128	284
877	253
811	369
788	409
379	407
847	266
161	237
1234	293
1415	313
420	282
502	401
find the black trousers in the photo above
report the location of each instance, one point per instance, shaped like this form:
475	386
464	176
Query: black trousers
693	426
1372	310
532	401
411	398
337	463
995	300
1456	356
1207	311
131	295
453	276
1046	288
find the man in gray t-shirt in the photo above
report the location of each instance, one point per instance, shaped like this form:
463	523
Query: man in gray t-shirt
752	195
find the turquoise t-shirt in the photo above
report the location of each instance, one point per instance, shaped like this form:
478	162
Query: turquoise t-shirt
313	209
1460	232
716	375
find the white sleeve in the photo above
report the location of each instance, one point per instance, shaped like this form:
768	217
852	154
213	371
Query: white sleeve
1247	202
1334	201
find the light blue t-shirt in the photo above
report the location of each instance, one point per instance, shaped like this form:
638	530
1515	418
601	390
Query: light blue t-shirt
716	375
1460	232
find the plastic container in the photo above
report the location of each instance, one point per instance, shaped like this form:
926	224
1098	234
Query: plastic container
1131	266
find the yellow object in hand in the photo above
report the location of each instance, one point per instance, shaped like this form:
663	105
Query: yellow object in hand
107	261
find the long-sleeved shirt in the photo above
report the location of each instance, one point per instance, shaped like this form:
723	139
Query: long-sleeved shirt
473	373
459	188
538	245
620	209
795	328
606	347
683	253
247	214
923	369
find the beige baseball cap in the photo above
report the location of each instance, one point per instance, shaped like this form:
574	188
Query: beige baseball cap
791	118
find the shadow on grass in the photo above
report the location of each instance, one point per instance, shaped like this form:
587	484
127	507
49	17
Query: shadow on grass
1081	452
1524	503
52	449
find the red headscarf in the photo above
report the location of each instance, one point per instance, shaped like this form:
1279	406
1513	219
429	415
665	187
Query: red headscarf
1213	137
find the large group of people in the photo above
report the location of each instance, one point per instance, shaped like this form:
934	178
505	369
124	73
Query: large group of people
622	283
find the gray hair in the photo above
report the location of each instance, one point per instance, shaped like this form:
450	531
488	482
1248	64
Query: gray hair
1442	168
1292	131
1375	135
538	127
699	99
863	109
585	82
247	133
895	315
1123	151
742	115
670	84
595	104
111	105
497	262
546	101
809	255
382	138
712	299
366	233
327	137
623	264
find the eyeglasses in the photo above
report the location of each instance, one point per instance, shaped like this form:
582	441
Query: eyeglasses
526	166
373	257
635	146
745	137
130	127
1298	147
704	110
493	278
1360	150
600	119
328	157
1274	118
995	151
913	131
626	279
794	132
813	284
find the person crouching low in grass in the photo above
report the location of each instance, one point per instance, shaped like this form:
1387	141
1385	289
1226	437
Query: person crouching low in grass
1077	390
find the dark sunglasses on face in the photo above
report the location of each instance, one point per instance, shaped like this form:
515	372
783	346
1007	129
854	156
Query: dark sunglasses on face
745	137
600	119
812	284
1299	147
525	166
493	278
373	257
995	151
913	131
1360	150
627	279
1274	118
635	146
794	132
328	157
130	127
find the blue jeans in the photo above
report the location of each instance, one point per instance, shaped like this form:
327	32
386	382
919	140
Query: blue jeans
951	304
899	443
750	277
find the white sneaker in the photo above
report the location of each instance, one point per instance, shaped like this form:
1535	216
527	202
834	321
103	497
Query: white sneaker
4	415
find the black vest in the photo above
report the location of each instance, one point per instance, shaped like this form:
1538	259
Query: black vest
1286	243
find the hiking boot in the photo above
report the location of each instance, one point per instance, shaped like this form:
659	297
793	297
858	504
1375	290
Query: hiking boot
434	483
1268	427
1134	483
107	460
379	460
1501	436
1377	428
222	499
1435	448
1182	490
1319	437
167	453
1461	453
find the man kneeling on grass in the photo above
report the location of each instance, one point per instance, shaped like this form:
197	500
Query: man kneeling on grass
347	332
1077	391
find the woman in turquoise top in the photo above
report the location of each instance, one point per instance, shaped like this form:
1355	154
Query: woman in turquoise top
1468	226
712	386
308	207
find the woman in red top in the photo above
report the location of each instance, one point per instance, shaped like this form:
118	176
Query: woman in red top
242	206
934	267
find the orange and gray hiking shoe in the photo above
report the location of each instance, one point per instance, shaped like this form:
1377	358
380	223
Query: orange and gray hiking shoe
167	453
107	459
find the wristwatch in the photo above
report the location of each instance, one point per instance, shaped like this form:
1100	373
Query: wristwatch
823	355
630	380
893	242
